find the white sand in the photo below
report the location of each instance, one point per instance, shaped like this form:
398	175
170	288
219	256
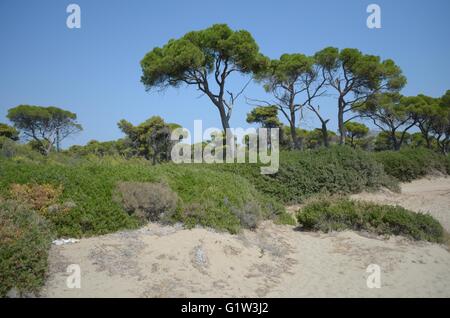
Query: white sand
274	261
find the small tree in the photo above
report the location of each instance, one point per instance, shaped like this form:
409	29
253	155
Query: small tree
383	140
355	77
315	138
391	114
150	139
47	126
441	124
7	131
354	131
267	116
425	111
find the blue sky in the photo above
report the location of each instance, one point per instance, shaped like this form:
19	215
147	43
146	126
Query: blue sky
94	71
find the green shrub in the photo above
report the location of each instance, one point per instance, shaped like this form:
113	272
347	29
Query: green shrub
38	197
210	198
25	238
412	163
217	199
304	173
342	214
88	184
17	151
148	201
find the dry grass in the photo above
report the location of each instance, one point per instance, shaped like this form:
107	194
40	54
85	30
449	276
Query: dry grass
37	196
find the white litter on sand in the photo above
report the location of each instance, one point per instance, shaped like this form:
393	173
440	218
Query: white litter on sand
65	241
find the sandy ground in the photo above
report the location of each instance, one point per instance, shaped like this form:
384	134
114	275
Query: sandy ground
274	261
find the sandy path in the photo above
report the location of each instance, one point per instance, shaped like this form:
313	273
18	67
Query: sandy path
274	261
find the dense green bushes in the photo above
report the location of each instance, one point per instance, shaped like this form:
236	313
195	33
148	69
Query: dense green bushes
209	194
24	241
210	198
217	199
88	185
76	197
304	173
341	214
409	164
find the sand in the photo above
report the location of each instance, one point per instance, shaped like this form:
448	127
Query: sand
274	261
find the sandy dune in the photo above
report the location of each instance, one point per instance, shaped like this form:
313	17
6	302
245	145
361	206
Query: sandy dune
274	261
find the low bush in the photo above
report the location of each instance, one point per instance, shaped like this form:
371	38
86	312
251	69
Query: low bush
17	151
25	238
304	173
342	214
210	198
249	214
38	197
412	163
217	199
148	201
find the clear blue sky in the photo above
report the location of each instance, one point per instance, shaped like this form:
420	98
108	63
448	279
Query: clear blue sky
94	71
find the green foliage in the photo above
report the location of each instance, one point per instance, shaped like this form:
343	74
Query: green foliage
36	196
47	126
304	173
8	132
384	141
315	139
7	147
25	238
12	149
409	164
286	71
365	71
342	214
440	126
356	76
424	111
121	147
215	52
291	80
228	204
198	51
150	139
286	141
417	140
90	185
355	131
267	116
391	113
